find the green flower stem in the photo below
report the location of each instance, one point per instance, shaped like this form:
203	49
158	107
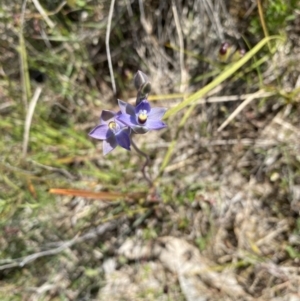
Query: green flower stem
143	169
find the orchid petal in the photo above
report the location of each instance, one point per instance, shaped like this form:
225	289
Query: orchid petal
120	123
126	108
143	105
155	124
157	113
109	145
127	119
101	132
123	140
127	130
106	116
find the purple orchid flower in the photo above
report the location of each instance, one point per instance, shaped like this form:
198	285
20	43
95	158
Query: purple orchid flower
112	132
141	118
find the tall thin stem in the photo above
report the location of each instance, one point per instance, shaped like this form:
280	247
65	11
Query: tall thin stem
143	169
110	66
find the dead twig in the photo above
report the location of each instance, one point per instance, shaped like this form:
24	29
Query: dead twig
43	13
26	89
94	233
28	119
181	45
241	107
